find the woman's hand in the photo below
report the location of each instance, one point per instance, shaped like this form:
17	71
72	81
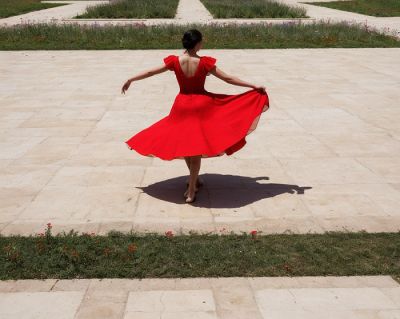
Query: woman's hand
126	86
260	88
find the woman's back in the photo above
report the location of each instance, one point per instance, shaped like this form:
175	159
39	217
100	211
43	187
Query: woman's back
189	64
190	72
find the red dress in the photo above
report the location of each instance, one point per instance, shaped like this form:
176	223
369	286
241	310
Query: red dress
200	122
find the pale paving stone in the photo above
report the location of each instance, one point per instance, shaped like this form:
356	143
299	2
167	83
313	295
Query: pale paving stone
33	177
341	298
49	152
14	200
132	284
393	294
378	281
316	314
123	120
303	146
99	303
95	154
71	285
362	145
340	205
387	167
84	203
27	285
16	147
60	304
171	301
239	314
313	302
66	113
388	314
103	309
98	176
172	315
299	145
353	297
329	171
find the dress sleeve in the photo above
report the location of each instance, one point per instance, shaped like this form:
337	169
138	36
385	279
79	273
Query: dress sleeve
169	61
209	63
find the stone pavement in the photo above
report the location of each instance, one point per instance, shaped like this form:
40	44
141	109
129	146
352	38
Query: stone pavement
356	297
193	11
325	156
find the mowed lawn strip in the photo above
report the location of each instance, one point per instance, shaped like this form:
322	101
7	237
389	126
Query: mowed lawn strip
9	8
253	9
255	36
140	9
377	8
129	255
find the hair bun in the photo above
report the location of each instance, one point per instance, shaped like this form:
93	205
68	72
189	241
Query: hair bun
191	38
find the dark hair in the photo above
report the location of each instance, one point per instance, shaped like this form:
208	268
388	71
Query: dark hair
191	38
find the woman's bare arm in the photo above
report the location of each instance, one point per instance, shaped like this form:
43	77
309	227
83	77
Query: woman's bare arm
233	79
143	75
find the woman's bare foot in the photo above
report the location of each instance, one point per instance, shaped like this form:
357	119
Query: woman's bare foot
191	196
187	191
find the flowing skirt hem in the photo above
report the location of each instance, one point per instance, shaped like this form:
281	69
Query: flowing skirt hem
228	151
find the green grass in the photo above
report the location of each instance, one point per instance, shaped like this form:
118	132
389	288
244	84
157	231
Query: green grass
255	36
120	255
253	9
377	8
9	8
132	9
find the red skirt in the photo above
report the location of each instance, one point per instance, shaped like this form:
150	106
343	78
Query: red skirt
204	124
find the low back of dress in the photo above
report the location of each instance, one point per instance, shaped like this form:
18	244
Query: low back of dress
194	83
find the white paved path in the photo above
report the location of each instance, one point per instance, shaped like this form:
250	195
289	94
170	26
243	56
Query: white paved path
192	11
55	14
324	157
354	297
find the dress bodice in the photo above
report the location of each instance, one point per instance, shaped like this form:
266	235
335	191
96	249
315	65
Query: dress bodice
195	83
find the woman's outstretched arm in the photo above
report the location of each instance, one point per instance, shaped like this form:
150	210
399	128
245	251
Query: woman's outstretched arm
143	75
234	80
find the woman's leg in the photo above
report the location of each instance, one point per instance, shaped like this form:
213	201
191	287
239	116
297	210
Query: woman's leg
187	160
199	180
195	163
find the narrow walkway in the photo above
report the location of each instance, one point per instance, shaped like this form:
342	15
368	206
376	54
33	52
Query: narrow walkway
354	297
55	15
192	11
390	25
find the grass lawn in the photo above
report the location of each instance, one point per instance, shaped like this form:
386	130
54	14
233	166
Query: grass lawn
10	8
132	9
253	9
377	8
288	35
119	255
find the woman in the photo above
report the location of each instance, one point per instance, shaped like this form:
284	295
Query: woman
200	124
